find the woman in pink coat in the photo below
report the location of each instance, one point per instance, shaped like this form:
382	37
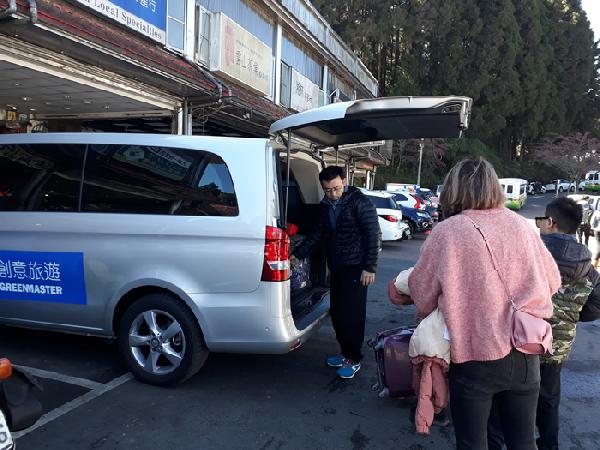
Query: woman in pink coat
455	273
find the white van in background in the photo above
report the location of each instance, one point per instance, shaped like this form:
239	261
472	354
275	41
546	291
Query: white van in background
592	180
515	191
398	187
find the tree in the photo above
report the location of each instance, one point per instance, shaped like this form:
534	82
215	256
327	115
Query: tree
531	66
574	154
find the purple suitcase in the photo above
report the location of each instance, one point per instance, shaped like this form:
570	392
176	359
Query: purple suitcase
394	369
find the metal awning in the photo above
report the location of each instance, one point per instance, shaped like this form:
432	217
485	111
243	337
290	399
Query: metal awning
48	85
379	119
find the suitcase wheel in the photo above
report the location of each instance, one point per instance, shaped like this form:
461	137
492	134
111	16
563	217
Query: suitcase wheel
385	392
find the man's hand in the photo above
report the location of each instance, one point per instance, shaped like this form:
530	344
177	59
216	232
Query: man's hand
367	278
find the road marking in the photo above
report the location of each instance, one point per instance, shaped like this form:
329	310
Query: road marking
83	382
76	403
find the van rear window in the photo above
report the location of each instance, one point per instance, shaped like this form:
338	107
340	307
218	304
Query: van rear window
128	179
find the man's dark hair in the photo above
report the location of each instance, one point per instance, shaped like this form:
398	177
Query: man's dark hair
331	172
566	213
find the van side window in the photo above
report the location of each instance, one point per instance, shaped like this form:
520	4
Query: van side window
522	189
133	179
509	189
40	177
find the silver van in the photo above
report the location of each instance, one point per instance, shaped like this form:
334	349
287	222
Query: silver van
177	245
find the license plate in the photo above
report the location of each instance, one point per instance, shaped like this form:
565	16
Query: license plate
6	440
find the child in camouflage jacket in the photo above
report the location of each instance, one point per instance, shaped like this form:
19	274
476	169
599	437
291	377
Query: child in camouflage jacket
577	299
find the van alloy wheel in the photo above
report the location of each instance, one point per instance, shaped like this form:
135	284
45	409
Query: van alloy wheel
160	340
157	342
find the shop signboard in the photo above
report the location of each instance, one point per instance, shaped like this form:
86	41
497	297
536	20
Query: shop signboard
239	55
148	17
305	93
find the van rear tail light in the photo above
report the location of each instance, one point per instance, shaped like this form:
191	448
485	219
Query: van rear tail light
276	264
390	218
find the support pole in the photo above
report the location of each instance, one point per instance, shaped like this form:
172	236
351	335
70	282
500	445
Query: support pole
420	161
287	183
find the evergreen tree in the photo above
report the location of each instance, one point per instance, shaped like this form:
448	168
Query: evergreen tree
530	66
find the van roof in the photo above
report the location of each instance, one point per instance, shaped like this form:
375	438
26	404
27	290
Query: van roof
379	119
168	140
512	180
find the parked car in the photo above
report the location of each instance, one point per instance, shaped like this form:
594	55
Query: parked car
418	220
426	193
178	246
580	186
427	203
390	217
405	199
563	186
535	187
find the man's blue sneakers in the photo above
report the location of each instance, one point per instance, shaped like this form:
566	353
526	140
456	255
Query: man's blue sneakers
348	369
335	361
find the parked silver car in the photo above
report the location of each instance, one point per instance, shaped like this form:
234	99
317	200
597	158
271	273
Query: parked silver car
178	245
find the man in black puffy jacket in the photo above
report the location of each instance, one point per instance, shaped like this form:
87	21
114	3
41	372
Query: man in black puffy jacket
349	227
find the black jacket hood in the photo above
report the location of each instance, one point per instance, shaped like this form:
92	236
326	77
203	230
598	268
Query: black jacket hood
572	258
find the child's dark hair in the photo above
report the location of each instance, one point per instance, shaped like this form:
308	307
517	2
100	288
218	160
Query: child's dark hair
331	172
566	213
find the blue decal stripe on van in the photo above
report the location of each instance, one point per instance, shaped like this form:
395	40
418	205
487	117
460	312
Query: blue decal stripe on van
42	276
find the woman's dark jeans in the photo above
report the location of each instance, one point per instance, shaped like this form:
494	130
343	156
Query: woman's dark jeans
513	383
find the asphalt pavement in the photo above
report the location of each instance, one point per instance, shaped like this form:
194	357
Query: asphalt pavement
288	401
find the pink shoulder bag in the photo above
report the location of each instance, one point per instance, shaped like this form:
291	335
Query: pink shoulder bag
531	335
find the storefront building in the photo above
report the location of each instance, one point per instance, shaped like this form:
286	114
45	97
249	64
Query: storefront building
215	67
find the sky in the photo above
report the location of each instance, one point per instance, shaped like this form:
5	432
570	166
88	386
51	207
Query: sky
592	9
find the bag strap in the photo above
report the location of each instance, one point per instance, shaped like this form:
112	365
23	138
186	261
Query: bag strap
494	262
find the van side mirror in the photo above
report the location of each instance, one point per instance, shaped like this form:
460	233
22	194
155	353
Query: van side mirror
291	229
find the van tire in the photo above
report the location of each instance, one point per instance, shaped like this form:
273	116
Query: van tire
188	342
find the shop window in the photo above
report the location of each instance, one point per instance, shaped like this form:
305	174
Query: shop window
202	35
296	57
244	14
40	177
286	85
176	24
